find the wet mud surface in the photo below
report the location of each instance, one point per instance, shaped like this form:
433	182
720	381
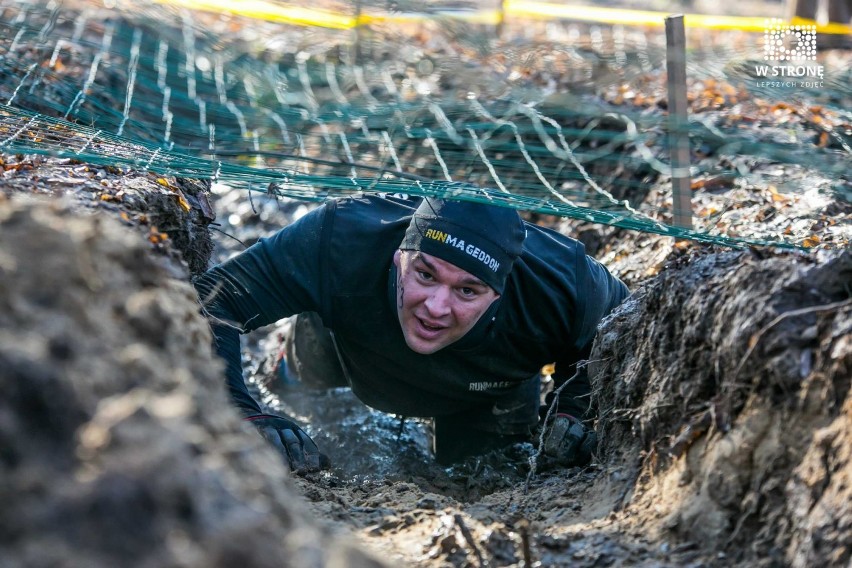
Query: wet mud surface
723	388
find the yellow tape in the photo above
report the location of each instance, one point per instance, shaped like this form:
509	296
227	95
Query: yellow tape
829	28
484	17
548	10
269	11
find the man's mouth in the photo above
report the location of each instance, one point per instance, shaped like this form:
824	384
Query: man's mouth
429	329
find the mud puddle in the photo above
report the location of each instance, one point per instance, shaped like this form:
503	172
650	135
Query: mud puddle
365	445
386	488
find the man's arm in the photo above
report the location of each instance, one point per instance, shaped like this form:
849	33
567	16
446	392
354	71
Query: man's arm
275	278
599	292
569	438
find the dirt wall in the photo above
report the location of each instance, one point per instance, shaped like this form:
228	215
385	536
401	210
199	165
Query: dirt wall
723	387
117	444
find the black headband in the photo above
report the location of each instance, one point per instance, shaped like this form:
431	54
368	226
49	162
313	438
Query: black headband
481	239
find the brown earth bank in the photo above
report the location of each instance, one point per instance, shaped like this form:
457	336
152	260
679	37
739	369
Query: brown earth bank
117	444
722	385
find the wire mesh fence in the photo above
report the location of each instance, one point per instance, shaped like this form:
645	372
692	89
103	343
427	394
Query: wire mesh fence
554	117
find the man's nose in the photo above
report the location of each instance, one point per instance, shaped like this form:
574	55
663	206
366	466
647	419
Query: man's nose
438	302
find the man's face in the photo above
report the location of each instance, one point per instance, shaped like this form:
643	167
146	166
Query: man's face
437	302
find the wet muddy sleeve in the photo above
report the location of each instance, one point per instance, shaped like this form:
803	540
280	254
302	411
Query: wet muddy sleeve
275	278
599	292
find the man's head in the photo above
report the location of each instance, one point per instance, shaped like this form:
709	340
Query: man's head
452	264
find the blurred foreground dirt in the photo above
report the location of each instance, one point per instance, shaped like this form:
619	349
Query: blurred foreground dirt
117	444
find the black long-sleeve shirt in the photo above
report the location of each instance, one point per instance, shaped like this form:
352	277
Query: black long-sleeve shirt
337	261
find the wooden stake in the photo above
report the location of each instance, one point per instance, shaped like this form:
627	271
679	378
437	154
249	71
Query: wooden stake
501	19
678	122
358	33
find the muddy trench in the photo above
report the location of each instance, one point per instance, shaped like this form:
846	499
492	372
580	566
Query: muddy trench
722	386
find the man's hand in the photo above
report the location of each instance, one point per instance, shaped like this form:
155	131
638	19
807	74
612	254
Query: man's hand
294	444
568	441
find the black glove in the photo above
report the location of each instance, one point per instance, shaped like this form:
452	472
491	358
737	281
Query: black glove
568	441
294	444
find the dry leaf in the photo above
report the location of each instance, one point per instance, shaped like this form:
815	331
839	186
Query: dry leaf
165	183
184	204
811	241
156	237
777	197
714	182
652	271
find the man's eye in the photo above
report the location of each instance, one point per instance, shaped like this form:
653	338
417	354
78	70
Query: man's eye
424	275
468	291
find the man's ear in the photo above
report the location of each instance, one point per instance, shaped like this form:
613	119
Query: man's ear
396	258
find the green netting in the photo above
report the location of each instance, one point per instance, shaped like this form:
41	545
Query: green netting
304	113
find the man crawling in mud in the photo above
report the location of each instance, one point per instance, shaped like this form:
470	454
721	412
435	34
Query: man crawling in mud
423	307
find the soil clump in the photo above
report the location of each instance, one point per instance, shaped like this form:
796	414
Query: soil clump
118	446
731	407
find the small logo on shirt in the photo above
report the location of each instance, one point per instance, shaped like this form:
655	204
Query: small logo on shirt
485	385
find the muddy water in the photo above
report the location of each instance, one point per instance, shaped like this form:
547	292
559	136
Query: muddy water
359	441
366	445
